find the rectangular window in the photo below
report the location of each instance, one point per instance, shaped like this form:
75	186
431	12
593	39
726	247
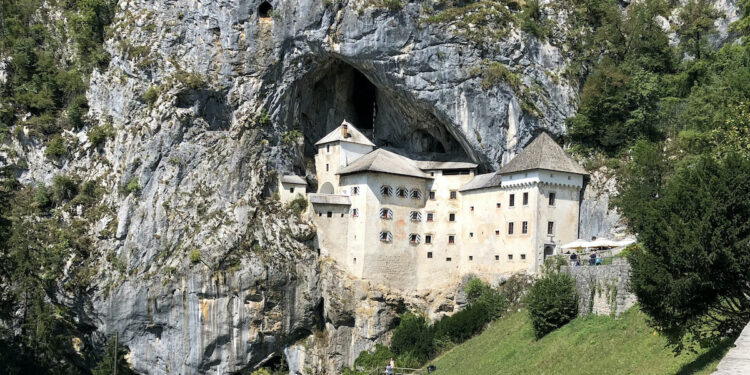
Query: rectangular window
414	238
386	236
451	239
551	199
326	167
320	214
329	214
497	232
328	148
497	205
510	228
448	259
291	190
428	238
432	195
471	234
415	216
451	217
430	216
471	257
453	194
342	214
429	254
510	256
471	208
550	227
512	200
523	256
524	227
355	212
355	190
525	199
497	257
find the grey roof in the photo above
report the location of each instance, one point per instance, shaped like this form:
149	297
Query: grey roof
292	179
335	199
543	153
384	161
354	136
482	181
442	165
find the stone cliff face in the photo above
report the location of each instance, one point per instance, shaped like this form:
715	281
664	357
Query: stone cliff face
201	270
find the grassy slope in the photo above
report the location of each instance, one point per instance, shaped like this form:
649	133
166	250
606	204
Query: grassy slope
592	345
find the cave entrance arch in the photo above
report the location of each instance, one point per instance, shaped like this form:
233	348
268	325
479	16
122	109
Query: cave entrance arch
265	10
336	90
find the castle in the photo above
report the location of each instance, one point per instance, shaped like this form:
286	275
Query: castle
418	225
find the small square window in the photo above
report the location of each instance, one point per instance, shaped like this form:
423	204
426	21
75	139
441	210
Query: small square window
471	257
512	200
355	212
430	216
523	256
451	239
525	199
448	259
497	232
320	214
432	195
342	214
551	199
510	256
355	190
453	194
291	190
429	254
428	238
525	227
497	257
471	234
432	174
471	208
329	214
451	217
497	205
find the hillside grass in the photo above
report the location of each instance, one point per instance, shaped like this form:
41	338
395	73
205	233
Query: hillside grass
591	345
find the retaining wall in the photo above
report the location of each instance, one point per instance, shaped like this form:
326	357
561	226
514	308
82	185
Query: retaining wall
603	290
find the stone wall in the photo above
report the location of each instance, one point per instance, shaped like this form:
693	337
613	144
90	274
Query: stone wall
603	290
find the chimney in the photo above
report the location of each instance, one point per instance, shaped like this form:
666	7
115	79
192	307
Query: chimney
345	130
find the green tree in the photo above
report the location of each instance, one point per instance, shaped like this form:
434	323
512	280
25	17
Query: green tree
696	21
414	336
551	302
692	275
114	355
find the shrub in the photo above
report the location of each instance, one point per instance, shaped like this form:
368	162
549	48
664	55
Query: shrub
56	148
479	293
264	118
150	95
63	189
131	186
42	196
298	205
551	302
371	360
98	134
464	324
393	5
195	256
414	336
76	110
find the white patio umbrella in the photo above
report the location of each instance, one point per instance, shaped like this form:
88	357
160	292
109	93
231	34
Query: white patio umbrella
577	244
603	242
626	242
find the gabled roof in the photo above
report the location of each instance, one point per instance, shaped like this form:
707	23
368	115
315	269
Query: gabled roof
427	165
482	181
353	136
292	179
384	161
335	199
543	153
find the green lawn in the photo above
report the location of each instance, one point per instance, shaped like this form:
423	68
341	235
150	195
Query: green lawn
592	345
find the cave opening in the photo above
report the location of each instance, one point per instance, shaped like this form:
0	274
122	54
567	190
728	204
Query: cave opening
265	10
336	90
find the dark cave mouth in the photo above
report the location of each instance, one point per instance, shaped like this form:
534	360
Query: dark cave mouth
336	90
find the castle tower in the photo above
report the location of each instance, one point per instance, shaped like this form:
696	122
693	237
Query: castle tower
339	148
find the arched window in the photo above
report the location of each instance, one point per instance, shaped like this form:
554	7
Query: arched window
415	216
402	192
265	10
386	191
414	238
416	194
386	236
386	213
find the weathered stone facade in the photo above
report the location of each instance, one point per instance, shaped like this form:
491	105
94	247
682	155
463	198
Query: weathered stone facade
603	290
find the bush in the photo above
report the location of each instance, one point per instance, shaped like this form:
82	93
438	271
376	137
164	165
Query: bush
150	95
195	256
414	336
392	5
551	302
98	134
131	187
464	324
479	293
56	148
76	110
64	189
378	358
298	205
